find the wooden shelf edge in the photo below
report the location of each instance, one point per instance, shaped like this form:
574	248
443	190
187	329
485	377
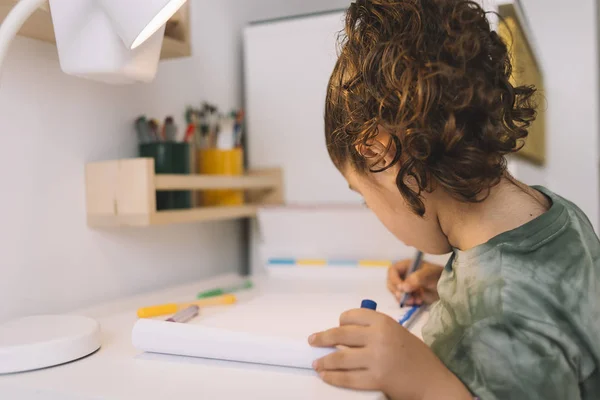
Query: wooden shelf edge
113	221
203	182
202	214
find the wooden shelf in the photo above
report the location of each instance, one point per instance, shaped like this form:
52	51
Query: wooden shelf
203	182
39	26
123	193
173	48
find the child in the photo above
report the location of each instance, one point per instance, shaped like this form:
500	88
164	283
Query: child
419	116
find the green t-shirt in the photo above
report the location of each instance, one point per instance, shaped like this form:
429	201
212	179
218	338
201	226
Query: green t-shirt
519	316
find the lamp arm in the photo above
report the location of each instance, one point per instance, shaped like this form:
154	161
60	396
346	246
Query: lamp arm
13	23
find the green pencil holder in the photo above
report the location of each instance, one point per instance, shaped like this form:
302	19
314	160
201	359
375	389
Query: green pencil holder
169	158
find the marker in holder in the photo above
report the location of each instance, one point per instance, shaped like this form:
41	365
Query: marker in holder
221	162
169	158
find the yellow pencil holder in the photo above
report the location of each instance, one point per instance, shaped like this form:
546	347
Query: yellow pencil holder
221	162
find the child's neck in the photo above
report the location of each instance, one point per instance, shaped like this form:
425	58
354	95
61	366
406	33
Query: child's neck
509	205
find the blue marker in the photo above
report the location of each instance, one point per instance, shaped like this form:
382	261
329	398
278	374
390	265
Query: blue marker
406	318
370	304
413	267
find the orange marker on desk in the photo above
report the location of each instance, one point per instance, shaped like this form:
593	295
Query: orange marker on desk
172	308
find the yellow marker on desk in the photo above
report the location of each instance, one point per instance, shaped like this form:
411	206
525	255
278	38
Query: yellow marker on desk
172	308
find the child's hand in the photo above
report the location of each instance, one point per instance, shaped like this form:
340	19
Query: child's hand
379	354
422	284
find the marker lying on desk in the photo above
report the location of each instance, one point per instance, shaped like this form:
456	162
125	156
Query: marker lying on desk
184	316
221	291
172	308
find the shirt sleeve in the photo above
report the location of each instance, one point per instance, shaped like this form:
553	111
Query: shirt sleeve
517	358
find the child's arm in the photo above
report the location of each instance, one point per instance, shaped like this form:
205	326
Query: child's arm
496	360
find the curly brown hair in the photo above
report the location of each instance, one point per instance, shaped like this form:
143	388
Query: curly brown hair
434	75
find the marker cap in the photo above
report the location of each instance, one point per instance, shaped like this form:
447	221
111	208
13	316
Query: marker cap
370	304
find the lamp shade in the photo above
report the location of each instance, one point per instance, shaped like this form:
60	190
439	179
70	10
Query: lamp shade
95	49
137	20
113	41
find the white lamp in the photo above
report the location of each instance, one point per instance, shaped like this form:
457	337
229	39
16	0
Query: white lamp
113	41
140	19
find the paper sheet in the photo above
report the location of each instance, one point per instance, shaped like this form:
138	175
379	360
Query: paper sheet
271	328
221	344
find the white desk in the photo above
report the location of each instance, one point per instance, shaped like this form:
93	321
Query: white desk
119	371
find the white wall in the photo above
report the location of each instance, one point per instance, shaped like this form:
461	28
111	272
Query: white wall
53	124
566	34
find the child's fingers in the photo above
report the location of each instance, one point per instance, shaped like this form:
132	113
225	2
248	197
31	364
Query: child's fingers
352	336
357	379
412	300
360	316
394	290
396	271
398	294
346	359
393	279
413	282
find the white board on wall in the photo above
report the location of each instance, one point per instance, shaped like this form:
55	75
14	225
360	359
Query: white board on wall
287	64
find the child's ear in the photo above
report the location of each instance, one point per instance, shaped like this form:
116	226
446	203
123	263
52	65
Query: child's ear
379	151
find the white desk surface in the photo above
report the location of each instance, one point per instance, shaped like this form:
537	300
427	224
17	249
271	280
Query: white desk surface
119	371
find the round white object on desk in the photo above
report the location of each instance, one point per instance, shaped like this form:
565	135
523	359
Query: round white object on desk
44	341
